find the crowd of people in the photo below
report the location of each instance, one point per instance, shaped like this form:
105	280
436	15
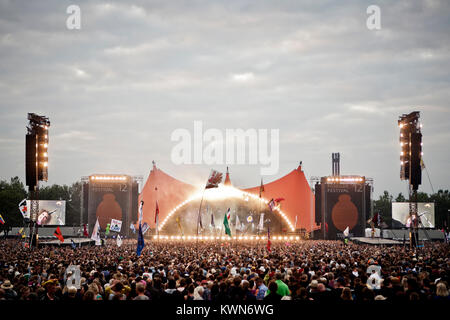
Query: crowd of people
226	272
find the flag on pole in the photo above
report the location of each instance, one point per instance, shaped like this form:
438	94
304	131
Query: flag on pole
228	214
200	220
141	243
107	229
278	203
21	233
226	223
179	225
261	222
96	234
58	234
271	205
238	224
261	188
156	213
214	179
2	221
85	233
141	211
74	246
116	225
133	228
23	207
346	232
145	227
118	240
213	225
268	239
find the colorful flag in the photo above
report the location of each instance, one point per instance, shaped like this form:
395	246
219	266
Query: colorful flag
23	208
74	246
58	234
326	227
156	214
141	244
377	220
145	227
118	240
21	233
85	233
96	234
2	221
261	188
261	222
268	240
116	225
228	214
272	205
346	232
278	202
107	229
226	223
214	179
133	228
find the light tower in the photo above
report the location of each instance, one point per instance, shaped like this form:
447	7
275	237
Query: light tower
411	165
36	165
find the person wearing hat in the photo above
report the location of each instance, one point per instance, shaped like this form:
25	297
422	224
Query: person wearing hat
50	290
10	294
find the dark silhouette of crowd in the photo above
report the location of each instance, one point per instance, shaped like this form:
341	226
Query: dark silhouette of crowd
228	272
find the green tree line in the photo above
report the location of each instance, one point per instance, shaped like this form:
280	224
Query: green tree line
441	201
14	191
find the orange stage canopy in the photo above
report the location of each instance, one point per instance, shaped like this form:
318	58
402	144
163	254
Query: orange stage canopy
294	188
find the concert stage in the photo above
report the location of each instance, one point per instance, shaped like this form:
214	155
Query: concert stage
67	242
377	241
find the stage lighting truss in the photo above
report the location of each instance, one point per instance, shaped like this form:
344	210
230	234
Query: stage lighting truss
346	179
108	178
225	238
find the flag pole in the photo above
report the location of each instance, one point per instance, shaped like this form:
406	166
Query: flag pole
157	221
199	211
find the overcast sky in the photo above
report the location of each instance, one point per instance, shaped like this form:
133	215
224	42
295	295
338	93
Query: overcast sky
117	88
